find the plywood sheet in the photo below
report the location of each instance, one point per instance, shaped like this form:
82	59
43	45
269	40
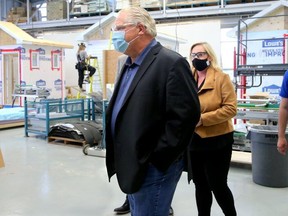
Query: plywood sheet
6	39
24	38
2	164
11	123
275	21
110	60
104	32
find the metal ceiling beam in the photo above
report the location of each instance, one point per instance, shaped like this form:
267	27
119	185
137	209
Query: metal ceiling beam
211	10
231	12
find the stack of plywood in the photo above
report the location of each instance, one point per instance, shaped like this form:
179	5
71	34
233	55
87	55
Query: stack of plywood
95	6
79	1
126	3
17	15
80	8
135	2
151	4
206	2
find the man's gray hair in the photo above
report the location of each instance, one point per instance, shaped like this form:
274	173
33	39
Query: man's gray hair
139	15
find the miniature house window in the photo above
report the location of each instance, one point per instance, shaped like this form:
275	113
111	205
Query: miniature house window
34	59
55	60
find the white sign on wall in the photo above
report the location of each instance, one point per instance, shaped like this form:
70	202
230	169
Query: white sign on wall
266	48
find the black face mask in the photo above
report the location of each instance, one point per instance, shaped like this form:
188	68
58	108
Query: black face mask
200	64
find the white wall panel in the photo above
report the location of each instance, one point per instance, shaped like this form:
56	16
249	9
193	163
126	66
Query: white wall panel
193	32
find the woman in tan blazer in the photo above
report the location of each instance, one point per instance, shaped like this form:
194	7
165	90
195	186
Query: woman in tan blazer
211	147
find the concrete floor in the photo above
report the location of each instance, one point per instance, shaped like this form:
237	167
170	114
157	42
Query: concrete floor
45	179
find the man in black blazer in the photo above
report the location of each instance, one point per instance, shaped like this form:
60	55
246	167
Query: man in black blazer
151	116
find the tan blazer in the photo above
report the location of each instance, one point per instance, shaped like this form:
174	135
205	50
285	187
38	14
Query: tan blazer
218	104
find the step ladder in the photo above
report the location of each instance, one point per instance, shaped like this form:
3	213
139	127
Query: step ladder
93	61
94	80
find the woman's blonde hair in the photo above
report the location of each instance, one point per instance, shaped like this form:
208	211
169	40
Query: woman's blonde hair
207	47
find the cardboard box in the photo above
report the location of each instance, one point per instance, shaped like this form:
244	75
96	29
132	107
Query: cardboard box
2	164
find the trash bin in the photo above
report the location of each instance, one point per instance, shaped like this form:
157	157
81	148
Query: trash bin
269	167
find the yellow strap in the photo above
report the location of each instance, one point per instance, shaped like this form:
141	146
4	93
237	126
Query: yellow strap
110	40
94	62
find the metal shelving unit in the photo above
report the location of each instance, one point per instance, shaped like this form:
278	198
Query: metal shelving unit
39	116
253	50
261	70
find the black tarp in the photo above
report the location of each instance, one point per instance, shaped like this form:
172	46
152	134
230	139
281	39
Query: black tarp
89	131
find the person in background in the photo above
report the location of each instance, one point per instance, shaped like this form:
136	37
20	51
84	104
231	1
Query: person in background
82	59
282	145
151	116
211	147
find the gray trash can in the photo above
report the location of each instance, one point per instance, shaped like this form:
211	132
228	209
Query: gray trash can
269	167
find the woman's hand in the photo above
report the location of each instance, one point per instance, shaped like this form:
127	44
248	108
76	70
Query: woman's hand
199	123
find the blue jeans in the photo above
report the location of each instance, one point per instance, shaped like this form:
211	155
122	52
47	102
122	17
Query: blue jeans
155	195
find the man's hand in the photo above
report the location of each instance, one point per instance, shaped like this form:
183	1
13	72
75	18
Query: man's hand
282	146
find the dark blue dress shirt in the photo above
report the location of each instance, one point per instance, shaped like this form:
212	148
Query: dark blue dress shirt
126	80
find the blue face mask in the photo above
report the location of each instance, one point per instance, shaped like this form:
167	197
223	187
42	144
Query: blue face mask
118	39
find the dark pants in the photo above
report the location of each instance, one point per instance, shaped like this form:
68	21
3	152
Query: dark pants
81	73
210	170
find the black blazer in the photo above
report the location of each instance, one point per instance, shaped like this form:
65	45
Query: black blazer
157	120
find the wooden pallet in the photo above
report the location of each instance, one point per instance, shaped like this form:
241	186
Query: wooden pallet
52	139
